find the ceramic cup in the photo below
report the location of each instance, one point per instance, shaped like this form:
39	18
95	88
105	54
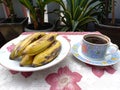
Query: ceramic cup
96	46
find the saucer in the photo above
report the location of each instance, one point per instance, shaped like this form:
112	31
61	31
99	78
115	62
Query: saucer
109	60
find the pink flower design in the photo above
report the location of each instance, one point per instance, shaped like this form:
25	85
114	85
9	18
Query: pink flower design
99	71
26	33
64	80
67	38
13	72
10	48
25	74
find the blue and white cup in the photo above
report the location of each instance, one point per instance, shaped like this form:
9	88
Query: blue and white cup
95	46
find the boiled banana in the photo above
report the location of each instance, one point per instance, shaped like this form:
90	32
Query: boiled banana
48	55
17	51
26	60
40	44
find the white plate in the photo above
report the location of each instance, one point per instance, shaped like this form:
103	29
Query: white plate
109	60
14	65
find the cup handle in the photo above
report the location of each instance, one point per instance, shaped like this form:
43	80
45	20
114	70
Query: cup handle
113	49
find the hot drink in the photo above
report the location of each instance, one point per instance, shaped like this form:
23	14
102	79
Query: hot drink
96	40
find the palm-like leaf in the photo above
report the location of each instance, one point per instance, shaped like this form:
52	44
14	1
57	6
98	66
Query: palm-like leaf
78	13
41	5
104	10
37	12
30	7
9	5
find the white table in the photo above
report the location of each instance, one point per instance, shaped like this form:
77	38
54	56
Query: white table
70	74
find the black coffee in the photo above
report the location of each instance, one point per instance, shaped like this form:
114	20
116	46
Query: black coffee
95	40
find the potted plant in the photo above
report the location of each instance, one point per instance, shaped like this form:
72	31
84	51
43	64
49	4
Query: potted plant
76	14
37	15
107	26
2	40
12	26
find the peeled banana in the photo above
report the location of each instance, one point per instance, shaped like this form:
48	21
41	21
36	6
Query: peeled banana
40	44
17	51
26	60
48	55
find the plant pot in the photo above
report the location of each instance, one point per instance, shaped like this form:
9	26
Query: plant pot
2	19
111	31
12	30
2	40
47	27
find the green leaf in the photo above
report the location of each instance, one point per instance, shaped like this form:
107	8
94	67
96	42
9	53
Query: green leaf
91	11
74	25
48	1
78	13
77	3
28	5
86	20
65	29
71	6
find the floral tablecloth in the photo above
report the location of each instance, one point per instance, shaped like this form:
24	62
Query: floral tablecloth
70	74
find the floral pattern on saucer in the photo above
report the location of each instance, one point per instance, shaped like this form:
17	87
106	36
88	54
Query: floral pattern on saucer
105	62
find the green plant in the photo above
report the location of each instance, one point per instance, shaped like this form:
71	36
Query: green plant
106	7
9	4
77	13
36	12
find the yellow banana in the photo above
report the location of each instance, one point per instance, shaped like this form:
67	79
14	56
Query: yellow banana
26	60
40	44
17	51
48	55
13	54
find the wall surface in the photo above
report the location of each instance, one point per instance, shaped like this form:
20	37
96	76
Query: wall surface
20	10
117	9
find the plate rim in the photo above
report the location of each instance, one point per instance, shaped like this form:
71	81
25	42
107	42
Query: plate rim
75	53
37	68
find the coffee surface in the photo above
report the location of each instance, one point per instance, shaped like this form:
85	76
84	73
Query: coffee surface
96	40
